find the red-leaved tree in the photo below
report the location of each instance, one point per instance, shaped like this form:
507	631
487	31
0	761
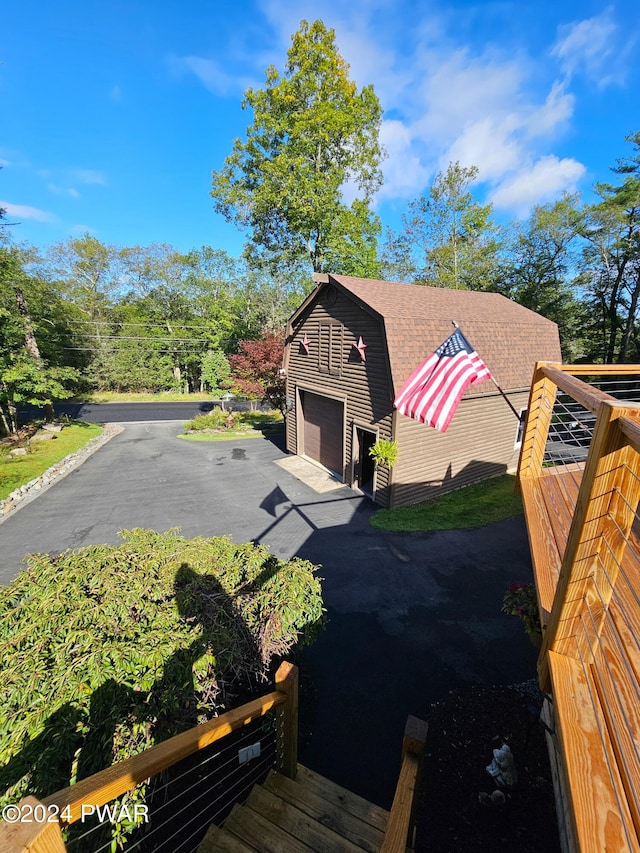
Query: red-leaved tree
256	370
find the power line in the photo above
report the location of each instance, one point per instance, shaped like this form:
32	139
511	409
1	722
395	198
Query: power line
145	338
127	323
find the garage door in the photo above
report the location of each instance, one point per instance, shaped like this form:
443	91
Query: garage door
323	430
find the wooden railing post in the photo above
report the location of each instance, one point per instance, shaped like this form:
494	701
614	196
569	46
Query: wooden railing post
37	832
399	834
536	428
287	720
605	511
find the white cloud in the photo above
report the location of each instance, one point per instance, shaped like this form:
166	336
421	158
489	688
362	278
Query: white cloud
115	93
446	96
537	182
404	175
212	76
89	176
592	47
54	188
24	211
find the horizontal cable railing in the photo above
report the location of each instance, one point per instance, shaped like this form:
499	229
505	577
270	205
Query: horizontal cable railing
580	464
183	801
165	798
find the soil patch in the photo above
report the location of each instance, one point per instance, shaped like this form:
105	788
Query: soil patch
464	729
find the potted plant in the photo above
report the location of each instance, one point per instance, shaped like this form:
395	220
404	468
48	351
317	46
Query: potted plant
384	452
521	600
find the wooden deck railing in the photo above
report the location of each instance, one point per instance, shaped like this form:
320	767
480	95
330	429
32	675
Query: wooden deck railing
40	831
44	836
583	523
399	834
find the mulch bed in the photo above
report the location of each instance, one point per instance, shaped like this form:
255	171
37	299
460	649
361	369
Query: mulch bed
464	729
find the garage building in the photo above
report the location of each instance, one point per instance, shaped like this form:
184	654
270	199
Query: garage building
353	343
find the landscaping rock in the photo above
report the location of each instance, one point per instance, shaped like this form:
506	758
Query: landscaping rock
18	451
52	427
43	436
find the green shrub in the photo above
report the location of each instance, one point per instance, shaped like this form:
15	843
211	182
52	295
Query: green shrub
109	649
220	419
215	419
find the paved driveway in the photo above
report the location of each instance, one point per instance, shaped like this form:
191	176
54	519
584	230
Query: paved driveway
411	616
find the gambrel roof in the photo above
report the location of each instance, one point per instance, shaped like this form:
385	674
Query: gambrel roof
418	318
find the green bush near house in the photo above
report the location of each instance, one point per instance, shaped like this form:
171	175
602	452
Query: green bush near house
111	648
473	506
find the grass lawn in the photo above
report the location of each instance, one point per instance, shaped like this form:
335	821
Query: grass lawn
133	397
473	506
224	435
15	471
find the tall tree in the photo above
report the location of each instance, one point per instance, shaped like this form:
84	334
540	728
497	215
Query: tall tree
456	235
612	261
88	272
313	133
540	270
25	375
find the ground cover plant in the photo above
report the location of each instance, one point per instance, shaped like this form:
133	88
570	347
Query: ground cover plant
15	471
111	648
221	424
473	506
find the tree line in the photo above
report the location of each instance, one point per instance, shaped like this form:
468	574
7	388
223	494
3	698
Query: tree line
85	315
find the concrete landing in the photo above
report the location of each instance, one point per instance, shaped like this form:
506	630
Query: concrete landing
318	479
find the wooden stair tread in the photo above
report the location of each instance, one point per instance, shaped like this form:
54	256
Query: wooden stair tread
344	799
320	838
258	832
218	840
361	833
308	814
603	820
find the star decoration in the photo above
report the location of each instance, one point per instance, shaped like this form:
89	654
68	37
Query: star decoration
361	347
305	343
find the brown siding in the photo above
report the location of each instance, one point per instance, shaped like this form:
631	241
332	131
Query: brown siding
364	385
478	444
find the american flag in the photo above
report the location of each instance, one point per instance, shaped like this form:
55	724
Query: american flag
432	393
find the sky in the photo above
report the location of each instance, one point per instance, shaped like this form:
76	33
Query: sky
113	114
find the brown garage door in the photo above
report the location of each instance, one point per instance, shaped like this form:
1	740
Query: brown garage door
323	430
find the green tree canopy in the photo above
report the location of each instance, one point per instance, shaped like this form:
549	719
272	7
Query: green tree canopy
456	235
313	133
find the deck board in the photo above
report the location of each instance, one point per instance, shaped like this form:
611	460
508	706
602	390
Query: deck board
549	503
603	819
617	689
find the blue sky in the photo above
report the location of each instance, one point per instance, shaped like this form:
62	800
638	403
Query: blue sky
113	114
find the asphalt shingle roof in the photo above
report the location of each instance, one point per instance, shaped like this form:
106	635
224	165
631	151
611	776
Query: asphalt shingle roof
417	319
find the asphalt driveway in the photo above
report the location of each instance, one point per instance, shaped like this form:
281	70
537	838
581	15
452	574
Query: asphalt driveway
411	616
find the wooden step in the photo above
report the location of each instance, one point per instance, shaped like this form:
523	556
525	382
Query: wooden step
258	832
364	835
316	836
308	814
346	800
218	840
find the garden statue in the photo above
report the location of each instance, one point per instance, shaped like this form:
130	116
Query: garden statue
502	768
